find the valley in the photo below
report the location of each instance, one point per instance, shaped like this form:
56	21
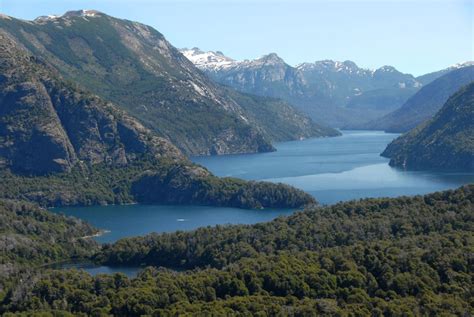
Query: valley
139	179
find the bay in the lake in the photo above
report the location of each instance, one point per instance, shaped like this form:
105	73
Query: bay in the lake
331	169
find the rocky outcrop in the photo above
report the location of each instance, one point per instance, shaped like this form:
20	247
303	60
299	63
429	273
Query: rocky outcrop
48	125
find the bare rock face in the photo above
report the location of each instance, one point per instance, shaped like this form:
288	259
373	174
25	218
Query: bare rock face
48	125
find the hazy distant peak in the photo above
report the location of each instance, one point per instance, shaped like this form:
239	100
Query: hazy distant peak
461	65
329	65
387	69
271	58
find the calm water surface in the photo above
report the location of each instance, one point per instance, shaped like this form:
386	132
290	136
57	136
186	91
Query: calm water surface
335	169
331	169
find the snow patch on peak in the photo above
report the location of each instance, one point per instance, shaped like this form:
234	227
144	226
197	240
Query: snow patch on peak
45	18
329	65
208	60
4	16
68	14
81	13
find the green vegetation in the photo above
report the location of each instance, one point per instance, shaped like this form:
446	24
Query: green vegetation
380	257
31	237
279	121
148	180
63	146
444	143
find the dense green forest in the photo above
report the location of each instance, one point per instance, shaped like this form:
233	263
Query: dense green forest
149	180
446	142
404	256
31	237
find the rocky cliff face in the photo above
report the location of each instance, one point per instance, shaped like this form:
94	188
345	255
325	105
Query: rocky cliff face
444	143
48	125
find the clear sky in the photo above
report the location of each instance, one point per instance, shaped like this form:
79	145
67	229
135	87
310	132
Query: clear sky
416	36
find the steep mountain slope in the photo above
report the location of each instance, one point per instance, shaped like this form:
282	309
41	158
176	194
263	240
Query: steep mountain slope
48	125
133	65
337	93
425	103
446	142
279	120
60	145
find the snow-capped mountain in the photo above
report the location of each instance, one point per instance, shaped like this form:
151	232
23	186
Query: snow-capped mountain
319	88
268	75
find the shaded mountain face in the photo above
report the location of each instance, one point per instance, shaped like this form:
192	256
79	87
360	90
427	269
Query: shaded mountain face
337	93
428	78
134	66
425	103
444	143
49	125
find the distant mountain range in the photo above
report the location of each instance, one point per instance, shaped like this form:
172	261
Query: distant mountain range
135	67
425	103
339	94
336	93
445	142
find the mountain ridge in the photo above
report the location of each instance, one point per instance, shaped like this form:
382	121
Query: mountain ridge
445	142
135	67
425	103
336	93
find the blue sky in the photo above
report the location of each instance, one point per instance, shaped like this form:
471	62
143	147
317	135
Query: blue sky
414	36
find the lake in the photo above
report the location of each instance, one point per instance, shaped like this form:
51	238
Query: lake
331	169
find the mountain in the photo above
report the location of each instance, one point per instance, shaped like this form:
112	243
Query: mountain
445	142
336	93
61	145
136	68
343	81
425	103
49	125
428	78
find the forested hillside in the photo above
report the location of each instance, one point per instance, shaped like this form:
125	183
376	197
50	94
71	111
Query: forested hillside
60	145
383	257
444	143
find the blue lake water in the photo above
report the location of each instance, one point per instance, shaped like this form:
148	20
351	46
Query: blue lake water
331	169
335	169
